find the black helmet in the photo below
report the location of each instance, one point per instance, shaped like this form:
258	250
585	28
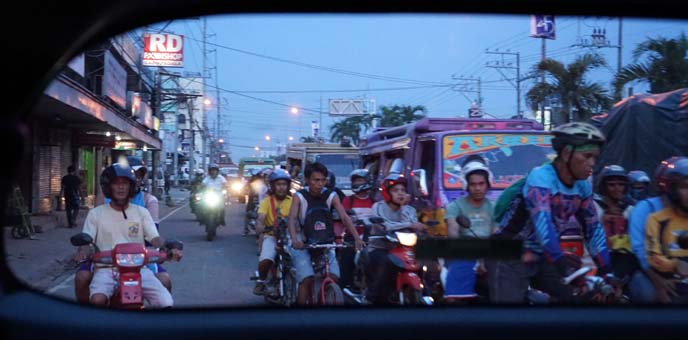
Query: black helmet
114	171
609	172
360	173
213	166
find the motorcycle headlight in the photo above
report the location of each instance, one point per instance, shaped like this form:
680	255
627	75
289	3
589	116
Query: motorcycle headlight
212	199
224	191
130	260
407	239
237	186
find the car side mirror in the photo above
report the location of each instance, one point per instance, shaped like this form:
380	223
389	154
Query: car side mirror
81	239
420	182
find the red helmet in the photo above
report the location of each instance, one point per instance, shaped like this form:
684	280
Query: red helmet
390	181
661	178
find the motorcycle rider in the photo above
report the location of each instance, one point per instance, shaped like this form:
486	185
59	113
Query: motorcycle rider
315	175
361	204
554	194
640	184
274	207
666	256
216	183
120	222
397	215
641	287
256	191
84	274
614	206
461	275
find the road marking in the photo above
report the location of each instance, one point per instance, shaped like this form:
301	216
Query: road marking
66	283
173	211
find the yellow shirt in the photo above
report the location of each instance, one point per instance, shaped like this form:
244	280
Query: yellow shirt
661	236
265	208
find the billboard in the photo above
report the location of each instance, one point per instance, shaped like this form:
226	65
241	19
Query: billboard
114	80
542	26
351	107
161	49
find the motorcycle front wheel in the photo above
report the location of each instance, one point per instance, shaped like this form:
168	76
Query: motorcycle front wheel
333	295
410	296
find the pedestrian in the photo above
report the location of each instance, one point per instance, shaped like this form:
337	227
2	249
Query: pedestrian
70	187
168	182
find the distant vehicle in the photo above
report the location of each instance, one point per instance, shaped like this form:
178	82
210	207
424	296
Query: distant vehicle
341	160
432	151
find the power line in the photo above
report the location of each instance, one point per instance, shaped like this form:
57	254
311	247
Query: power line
326	68
338	91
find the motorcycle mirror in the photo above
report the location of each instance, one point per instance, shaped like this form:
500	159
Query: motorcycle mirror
463	222
81	239
376	220
173	244
683	240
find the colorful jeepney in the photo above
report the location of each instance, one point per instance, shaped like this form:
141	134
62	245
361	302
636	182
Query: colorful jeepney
431	151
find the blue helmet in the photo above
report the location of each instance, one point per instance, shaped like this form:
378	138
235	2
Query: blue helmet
114	171
638	176
277	175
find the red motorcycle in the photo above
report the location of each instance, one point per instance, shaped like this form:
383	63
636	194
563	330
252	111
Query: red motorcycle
408	284
127	260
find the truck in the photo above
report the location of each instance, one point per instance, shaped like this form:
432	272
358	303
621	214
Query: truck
341	159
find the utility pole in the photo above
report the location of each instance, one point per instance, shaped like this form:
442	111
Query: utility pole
203	111
467	87
599	40
218	107
542	81
499	65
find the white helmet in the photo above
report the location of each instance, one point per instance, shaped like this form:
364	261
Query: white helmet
473	165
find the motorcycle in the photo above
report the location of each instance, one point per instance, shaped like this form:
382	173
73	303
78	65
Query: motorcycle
282	275
211	211
127	260
408	286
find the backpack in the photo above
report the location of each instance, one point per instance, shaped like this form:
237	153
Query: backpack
318	226
510	210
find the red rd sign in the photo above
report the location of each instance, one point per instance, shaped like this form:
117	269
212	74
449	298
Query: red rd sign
163	50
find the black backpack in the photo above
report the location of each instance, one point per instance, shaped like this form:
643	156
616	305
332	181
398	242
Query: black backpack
318	227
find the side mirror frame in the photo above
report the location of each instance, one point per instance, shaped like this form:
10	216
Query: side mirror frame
420	182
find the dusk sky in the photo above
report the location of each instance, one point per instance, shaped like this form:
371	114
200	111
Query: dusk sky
285	60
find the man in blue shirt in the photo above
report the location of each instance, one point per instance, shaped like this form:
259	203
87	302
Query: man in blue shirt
559	201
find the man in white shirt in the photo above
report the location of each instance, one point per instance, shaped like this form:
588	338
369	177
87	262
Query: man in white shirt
121	222
216	182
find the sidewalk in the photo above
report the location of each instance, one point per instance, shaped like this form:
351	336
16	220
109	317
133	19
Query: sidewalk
41	260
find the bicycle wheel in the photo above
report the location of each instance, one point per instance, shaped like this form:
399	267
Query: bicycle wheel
19	232
333	295
289	286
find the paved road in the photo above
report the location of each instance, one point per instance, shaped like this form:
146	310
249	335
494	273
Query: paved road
211	273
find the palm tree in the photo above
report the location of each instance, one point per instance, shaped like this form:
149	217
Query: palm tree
400	115
665	68
579	98
351	128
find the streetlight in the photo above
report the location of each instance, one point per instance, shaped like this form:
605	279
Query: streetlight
295	110
256	148
108	134
291	138
221	141
207	102
267	138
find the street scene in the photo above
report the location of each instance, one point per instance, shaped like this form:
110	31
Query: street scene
230	161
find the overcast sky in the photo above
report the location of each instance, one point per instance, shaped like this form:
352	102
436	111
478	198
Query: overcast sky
258	55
